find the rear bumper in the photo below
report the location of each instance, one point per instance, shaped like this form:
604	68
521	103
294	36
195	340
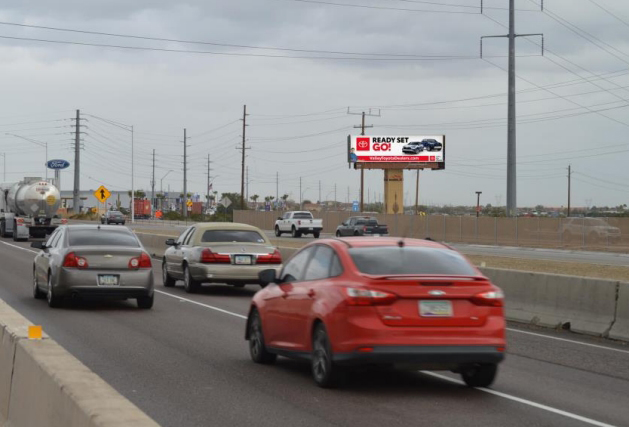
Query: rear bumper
133	284
429	356
221	273
309	229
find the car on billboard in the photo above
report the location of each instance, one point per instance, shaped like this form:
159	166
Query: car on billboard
413	147
432	144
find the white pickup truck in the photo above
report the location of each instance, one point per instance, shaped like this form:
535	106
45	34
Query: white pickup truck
297	223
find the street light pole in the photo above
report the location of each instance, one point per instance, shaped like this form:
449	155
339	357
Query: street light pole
478	193
161	189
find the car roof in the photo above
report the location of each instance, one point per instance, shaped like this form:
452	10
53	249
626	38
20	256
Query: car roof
227	226
371	242
97	227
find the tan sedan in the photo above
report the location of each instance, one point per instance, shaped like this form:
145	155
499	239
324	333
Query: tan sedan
218	253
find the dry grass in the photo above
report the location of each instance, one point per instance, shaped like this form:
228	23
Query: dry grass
611	272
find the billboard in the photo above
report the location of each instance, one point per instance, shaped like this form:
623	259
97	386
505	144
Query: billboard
398	151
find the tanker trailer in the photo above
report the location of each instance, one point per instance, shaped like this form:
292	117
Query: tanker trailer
29	209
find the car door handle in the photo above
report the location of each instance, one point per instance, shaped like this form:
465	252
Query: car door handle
311	293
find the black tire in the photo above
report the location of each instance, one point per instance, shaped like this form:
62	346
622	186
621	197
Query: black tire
146	302
479	375
324	371
3	232
278	233
53	300
338	233
356	233
168	281
316	234
37	293
189	284
15	239
257	348
295	233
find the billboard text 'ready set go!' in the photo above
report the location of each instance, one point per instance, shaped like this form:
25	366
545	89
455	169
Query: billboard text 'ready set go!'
398	151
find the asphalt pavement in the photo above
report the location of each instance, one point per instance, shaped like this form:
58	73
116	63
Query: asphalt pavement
186	363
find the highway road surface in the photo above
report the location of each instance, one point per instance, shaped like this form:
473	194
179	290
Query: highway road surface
588	257
186	363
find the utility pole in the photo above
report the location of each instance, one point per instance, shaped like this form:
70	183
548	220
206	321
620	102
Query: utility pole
478	193
417	194
242	178
247	181
76	199
301	205
185	174
362	132
153	186
207	195
277	187
320	192
511	133
132	178
569	176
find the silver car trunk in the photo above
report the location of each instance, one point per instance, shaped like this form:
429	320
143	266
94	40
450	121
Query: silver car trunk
107	257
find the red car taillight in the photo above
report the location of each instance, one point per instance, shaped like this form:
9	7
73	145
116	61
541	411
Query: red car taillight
364	229
73	261
209	257
298	222
64	221
274	258
356	296
490	298
143	261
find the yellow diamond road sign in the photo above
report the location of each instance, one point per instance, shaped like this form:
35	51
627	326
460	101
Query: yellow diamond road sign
102	194
189	203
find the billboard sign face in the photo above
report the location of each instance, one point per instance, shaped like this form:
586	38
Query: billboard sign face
428	149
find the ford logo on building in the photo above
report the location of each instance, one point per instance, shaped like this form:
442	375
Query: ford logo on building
57	164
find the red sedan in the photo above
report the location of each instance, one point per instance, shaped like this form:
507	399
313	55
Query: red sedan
379	301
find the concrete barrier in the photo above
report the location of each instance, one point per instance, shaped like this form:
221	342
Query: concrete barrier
155	244
586	305
41	384
620	329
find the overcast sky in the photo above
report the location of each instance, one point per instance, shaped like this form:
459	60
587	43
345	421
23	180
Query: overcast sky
419	68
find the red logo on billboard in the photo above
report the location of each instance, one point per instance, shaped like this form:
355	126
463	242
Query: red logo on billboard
362	144
432	158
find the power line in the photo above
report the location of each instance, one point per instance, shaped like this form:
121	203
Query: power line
363	6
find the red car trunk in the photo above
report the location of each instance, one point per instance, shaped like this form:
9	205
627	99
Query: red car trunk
433	302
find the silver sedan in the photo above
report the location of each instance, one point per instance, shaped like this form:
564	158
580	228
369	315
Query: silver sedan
92	261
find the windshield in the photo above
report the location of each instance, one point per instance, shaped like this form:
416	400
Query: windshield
227	236
115	214
302	215
392	260
101	237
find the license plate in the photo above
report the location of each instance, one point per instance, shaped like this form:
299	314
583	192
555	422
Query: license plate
108	280
435	308
242	259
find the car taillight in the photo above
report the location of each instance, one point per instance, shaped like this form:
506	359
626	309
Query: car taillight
143	261
209	257
73	261
298	222
364	229
490	298
274	258
19	221
357	296
64	221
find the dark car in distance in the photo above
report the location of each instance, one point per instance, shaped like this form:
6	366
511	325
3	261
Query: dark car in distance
432	144
112	217
413	147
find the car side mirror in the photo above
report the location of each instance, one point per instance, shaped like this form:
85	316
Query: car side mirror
38	245
171	242
280	218
268	276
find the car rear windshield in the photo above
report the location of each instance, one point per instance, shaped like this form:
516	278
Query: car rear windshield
115	214
226	236
302	215
102	237
393	260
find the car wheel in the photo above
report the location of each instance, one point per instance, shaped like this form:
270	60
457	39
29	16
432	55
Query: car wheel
338	233
479	375
37	294
356	233
189	284
257	348
316	234
146	302
325	373
294	232
53	300
168	281
278	233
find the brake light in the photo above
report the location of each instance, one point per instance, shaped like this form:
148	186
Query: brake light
19	221
274	258
365	229
298	222
357	296
143	261
490	298
209	257
64	221
73	261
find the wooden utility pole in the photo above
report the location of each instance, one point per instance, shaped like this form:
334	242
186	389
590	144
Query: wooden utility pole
569	175
242	178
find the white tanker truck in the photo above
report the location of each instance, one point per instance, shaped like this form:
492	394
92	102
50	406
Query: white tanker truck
29	209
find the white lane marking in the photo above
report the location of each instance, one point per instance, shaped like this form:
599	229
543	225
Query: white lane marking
19	247
201	304
570	341
525	401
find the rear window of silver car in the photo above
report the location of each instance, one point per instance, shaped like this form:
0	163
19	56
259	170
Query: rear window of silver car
393	260
227	236
101	237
